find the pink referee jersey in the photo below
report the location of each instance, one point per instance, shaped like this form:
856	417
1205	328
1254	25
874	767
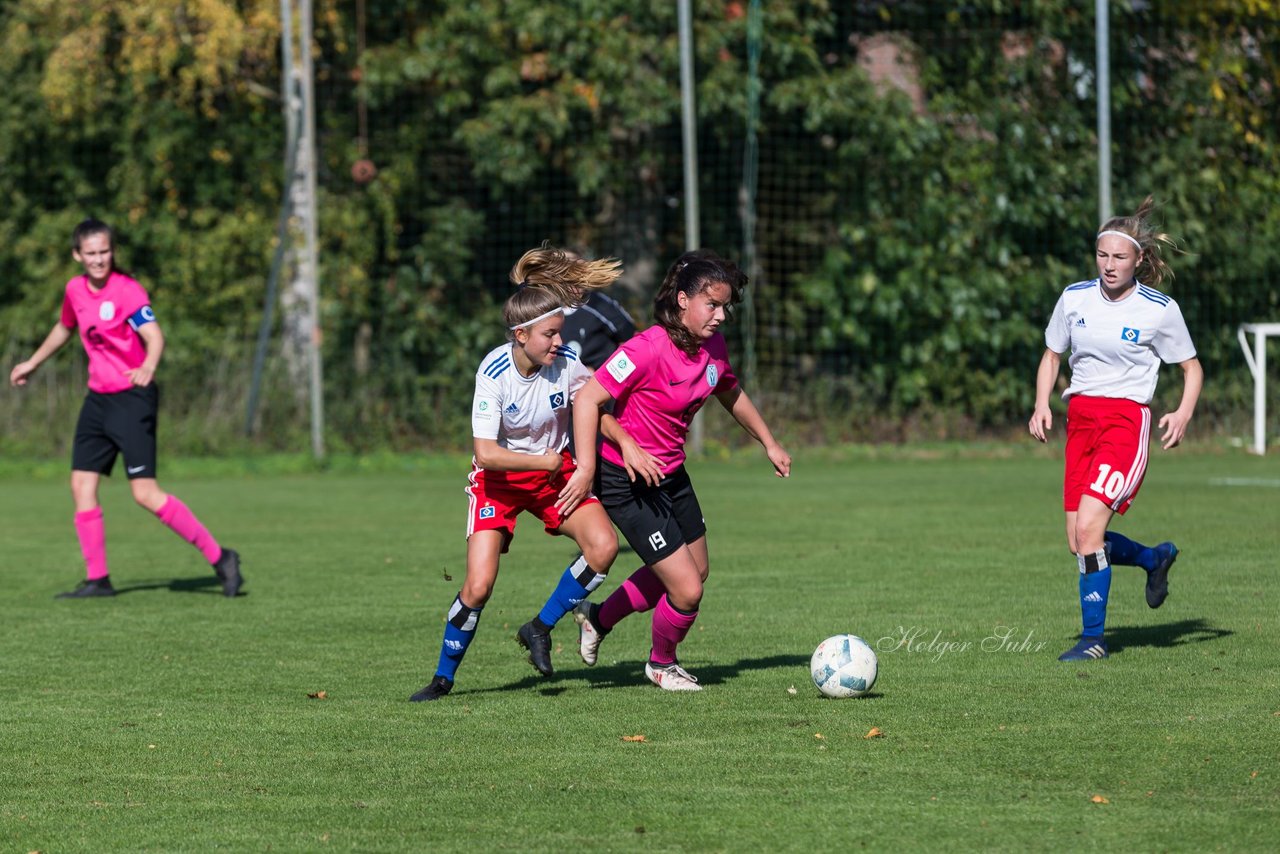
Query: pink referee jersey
659	388
108	321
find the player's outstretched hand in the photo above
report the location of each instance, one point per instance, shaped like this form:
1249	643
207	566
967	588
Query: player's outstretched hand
640	463
20	372
1174	426
1041	423
781	460
574	492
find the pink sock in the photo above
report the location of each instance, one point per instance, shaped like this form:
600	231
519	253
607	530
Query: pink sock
184	523
669	628
637	594
93	542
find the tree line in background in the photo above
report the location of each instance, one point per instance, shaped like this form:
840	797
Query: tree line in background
926	186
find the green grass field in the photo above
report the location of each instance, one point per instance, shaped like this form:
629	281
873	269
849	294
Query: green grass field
171	719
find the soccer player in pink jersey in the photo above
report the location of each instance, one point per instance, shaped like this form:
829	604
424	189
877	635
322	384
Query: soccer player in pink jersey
123	341
520	428
659	380
1118	330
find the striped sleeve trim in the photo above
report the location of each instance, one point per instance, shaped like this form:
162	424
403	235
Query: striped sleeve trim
495	368
1154	295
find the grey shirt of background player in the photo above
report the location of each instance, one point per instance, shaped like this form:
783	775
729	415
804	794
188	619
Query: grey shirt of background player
596	328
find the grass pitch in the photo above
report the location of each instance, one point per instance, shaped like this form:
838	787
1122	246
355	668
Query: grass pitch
171	719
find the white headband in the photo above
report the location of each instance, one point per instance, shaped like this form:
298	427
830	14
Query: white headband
551	313
1121	234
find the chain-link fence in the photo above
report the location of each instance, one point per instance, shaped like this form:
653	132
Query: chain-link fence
910	185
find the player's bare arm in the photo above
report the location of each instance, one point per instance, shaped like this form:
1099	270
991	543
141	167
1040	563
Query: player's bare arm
637	460
493	457
153	341
736	402
1174	424
586	427
57	336
1046	375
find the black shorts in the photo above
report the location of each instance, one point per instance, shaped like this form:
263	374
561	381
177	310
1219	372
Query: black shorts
120	423
656	520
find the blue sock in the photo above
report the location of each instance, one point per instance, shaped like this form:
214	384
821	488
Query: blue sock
575	585
458	632
1095	586
1122	551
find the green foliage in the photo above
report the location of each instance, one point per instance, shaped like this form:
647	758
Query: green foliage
927	178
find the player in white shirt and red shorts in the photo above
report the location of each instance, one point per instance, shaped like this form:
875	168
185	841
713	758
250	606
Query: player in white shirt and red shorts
520	426
1119	331
659	380
123	342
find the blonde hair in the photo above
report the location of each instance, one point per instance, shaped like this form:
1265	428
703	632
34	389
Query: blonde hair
547	277
1149	240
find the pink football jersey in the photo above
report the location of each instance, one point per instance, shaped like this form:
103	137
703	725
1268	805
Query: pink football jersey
659	389
108	321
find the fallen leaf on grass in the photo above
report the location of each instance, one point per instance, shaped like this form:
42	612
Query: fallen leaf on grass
792	690
819	736
318	695
634	738
1098	799
874	732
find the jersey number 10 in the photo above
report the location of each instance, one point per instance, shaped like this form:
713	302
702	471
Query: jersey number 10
1108	486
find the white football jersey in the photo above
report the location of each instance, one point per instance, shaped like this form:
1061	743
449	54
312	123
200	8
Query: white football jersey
1117	347
529	415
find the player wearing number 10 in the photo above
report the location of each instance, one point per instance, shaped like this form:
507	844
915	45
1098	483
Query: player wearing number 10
1119	330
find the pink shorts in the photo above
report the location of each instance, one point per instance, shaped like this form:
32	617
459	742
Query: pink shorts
1107	441
496	498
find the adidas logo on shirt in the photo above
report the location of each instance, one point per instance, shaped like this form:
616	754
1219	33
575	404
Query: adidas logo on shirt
511	409
1080	323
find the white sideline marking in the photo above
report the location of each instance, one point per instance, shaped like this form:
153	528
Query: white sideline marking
1270	482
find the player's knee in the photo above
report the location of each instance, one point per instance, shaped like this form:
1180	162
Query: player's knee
600	552
475	594
686	597
1086	540
84	490
148	495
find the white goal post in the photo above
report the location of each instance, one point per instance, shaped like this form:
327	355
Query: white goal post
1257	359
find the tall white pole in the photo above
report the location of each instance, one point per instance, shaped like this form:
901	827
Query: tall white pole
310	228
688	115
1102	37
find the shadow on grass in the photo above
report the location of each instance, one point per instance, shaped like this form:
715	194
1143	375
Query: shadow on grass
203	584
1163	635
629	674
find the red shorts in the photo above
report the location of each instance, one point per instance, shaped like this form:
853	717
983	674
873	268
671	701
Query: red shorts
497	497
1107	440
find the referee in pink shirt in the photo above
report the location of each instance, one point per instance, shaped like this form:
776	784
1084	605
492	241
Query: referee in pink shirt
122	339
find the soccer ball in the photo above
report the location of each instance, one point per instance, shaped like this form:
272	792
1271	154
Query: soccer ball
843	666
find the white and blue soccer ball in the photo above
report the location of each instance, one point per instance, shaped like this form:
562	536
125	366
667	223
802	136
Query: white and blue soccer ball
843	666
